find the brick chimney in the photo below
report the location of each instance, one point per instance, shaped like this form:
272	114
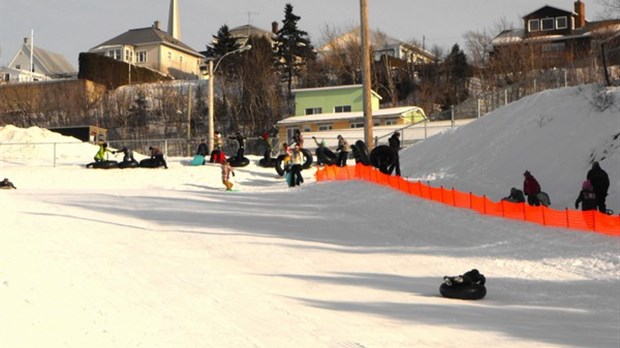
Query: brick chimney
274	27
156	25
580	10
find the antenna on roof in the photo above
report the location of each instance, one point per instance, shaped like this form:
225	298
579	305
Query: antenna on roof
250	13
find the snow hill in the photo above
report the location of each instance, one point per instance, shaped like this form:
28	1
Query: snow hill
556	135
165	258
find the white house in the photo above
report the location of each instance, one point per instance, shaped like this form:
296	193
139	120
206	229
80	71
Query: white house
32	63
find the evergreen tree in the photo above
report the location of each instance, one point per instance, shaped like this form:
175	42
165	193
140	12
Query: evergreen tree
292	49
456	73
223	43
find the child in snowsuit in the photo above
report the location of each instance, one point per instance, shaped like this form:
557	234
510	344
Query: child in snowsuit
297	159
587	197
226	171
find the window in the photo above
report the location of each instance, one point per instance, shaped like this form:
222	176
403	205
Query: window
325	126
169	55
18	67
390	122
115	54
554	47
561	23
313	111
6	77
128	55
357	125
141	56
307	129
547	24
344	108
533	25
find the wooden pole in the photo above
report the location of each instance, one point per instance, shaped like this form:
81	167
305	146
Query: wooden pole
366	77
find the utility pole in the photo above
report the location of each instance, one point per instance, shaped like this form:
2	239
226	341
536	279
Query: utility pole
366	81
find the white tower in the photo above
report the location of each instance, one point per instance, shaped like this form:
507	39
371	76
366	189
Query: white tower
174	24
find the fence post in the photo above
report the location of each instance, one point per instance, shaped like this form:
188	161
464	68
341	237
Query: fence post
478	107
567	219
425	129
484	204
505	96
452	115
54	155
453	197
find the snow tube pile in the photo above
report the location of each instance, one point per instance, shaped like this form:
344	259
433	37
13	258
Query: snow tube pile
128	164
382	157
360	153
103	165
469	286
238	162
325	156
150	163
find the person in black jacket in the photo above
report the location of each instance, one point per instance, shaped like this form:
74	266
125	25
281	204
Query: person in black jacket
587	197
202	150
600	182
127	154
394	143
241	140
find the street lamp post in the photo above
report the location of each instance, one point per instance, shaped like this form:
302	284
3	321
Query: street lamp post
212	71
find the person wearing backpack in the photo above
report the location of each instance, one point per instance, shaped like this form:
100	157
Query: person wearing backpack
587	197
531	188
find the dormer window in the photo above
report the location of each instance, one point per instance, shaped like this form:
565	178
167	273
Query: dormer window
547	23
533	25
561	23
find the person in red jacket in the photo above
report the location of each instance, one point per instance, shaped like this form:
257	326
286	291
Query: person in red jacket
531	188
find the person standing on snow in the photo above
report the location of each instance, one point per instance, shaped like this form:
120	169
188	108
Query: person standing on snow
297	159
127	154
394	143
298	138
343	151
531	188
226	171
241	140
600	183
587	197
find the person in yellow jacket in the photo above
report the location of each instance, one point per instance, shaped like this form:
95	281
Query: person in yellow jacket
100	155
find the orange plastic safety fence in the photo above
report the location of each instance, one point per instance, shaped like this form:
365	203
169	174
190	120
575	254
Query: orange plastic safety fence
580	220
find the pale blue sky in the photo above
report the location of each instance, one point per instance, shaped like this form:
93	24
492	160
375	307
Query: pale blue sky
69	27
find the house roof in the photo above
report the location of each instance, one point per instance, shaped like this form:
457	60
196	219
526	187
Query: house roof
330	117
548	8
54	64
144	36
331	88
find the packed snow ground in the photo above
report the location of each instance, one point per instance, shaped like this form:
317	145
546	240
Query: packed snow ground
165	258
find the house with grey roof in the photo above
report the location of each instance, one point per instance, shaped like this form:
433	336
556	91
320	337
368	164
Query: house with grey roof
32	63
154	49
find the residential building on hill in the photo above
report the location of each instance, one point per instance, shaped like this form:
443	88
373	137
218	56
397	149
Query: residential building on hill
557	36
155	49
382	45
32	63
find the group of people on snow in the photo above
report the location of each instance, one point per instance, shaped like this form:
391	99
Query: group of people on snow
592	195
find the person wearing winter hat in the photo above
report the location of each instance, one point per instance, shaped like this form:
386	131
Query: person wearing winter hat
587	197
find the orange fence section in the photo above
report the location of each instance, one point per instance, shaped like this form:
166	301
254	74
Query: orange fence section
574	219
